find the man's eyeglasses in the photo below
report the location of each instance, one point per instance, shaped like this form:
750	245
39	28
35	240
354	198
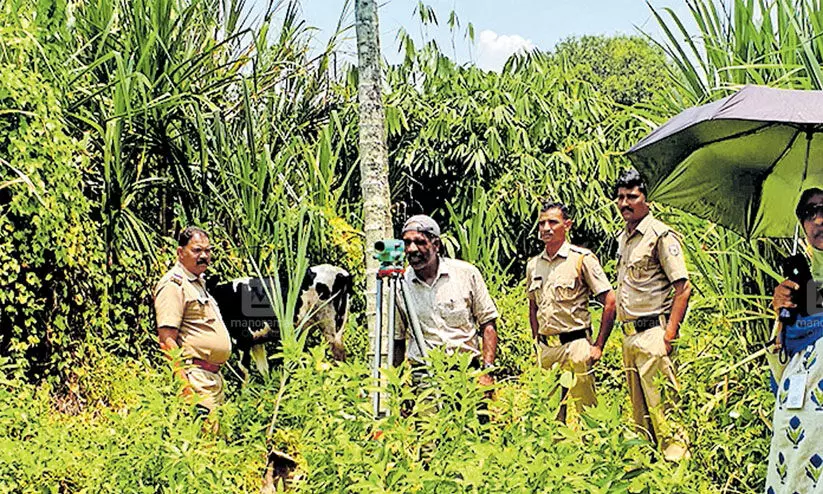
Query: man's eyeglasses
811	211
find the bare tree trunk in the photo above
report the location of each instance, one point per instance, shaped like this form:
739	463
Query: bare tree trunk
374	164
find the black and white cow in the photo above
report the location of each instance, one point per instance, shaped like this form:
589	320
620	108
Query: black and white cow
323	304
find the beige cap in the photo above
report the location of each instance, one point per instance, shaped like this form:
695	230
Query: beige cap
421	223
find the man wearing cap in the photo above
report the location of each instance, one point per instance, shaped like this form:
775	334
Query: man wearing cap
560	281
188	318
450	297
652	297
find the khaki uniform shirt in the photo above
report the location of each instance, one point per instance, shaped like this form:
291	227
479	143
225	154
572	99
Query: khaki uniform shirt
450	310
181	301
560	286
649	261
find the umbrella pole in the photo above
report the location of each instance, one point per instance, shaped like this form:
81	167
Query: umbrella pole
796	233
809	137
778	325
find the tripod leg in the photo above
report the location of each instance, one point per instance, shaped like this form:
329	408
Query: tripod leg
391	325
378	337
419	340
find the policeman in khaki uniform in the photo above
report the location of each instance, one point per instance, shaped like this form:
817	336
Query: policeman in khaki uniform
652	297
560	281
188	318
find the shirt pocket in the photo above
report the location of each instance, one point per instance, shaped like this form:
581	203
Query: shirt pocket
454	315
642	269
565	288
200	309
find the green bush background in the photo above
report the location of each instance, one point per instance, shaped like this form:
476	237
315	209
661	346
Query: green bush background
120	122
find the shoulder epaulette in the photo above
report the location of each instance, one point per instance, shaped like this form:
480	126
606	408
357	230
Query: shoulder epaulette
660	228
579	250
176	278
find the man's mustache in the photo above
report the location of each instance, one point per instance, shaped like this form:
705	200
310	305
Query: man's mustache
626	208
203	261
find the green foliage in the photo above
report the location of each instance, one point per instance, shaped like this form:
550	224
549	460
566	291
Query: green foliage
766	42
627	69
133	434
458	134
148	119
143	440
523	450
50	255
120	121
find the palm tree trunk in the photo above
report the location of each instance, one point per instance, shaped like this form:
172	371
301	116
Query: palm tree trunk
374	165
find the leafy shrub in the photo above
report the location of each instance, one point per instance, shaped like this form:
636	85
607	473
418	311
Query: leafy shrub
132	434
142	440
50	253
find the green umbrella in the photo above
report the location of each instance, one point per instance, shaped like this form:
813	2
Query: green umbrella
741	161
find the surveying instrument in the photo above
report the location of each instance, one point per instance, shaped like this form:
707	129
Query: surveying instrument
391	255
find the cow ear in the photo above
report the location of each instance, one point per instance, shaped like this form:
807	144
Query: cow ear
342	283
308	280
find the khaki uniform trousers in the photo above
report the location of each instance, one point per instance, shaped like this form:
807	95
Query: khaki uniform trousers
644	356
209	387
573	356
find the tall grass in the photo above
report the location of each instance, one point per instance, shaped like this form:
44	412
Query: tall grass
767	42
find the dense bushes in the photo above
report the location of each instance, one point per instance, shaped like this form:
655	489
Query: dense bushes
132	433
135	436
51	261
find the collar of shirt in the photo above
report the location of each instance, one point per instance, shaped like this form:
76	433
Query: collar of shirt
643	226
189	275
563	251
442	270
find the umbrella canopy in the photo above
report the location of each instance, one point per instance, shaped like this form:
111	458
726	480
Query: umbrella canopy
741	161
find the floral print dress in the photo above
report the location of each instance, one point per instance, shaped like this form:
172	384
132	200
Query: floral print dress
796	454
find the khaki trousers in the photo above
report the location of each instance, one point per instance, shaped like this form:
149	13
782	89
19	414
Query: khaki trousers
573	356
208	386
644	357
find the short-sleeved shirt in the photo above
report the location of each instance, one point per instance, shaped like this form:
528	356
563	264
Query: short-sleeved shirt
649	261
451	309
181	301
560	286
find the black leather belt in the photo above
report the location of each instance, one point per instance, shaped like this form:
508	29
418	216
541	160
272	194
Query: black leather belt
565	337
648	322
